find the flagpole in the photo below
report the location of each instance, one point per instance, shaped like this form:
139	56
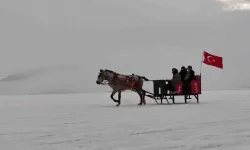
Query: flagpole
201	62
201	69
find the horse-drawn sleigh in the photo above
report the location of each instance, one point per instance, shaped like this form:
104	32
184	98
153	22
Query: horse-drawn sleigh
119	83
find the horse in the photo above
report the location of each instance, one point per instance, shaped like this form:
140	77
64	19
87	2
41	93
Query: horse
120	83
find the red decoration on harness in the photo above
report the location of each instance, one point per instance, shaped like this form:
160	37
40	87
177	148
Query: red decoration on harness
132	84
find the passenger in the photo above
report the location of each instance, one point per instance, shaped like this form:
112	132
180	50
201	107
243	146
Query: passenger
190	74
183	73
171	86
187	80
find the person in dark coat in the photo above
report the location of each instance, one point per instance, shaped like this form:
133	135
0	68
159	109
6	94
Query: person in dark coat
190	75
183	73
171	86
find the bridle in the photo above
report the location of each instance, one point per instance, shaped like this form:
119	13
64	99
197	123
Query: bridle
104	75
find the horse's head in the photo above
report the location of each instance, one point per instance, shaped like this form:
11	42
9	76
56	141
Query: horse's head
105	75
101	77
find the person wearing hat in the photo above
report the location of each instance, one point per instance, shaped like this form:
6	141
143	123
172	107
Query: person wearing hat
187	80
183	73
171	86
190	74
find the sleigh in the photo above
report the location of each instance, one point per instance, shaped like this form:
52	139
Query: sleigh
160	92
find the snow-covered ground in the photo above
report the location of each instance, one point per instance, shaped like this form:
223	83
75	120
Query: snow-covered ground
92	122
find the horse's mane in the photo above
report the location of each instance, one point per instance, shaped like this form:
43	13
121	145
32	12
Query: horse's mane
109	71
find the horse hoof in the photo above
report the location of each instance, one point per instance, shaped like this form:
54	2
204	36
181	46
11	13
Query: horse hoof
117	105
140	104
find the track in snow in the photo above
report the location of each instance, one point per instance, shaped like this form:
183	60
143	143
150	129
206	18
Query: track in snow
92	122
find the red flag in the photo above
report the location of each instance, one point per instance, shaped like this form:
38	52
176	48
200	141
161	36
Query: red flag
213	60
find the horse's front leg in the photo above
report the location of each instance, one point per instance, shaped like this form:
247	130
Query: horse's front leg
119	98
112	96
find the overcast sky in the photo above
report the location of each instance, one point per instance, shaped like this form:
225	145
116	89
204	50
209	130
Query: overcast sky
146	37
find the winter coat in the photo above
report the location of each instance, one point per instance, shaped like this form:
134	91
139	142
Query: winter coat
175	80
183	74
190	76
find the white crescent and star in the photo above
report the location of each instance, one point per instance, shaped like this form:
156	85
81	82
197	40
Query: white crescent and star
209	59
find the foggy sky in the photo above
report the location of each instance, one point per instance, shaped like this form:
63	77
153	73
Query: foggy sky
145	37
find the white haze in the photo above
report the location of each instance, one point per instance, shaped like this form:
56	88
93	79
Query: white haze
66	42
235	5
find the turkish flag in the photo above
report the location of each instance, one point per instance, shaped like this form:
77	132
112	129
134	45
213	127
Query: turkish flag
213	60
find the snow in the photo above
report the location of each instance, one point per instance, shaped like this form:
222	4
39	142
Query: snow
92	122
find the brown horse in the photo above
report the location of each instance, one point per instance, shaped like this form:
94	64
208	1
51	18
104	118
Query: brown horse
120	83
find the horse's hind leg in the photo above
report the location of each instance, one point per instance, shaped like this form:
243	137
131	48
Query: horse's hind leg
143	97
140	94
